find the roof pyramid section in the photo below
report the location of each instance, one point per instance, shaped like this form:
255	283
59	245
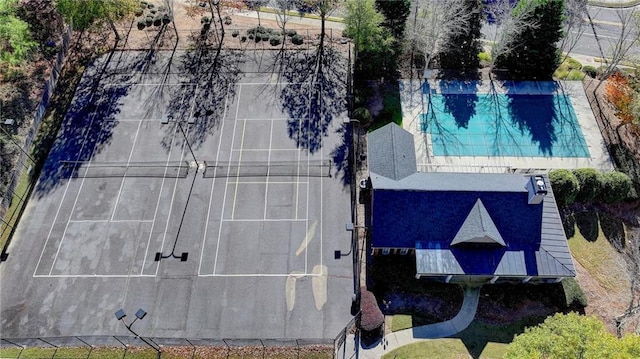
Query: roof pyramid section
478	227
391	152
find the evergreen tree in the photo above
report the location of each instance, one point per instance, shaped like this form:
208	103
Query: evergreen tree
533	50
460	49
395	15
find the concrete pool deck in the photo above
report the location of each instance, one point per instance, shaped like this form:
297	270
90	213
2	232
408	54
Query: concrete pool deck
414	105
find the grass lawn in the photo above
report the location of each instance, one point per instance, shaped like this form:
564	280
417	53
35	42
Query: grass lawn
17	202
601	260
436	348
167	353
479	340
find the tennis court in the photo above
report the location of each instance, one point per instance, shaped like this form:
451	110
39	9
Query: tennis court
217	222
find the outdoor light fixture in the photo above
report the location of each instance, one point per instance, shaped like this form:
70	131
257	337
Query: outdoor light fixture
140	314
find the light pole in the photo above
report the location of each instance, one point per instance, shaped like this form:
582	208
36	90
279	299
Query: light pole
140	314
183	257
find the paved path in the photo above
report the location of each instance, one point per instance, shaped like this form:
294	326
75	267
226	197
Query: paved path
432	331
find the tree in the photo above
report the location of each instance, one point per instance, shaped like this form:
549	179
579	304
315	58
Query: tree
371	315
614	50
461	48
15	38
573	25
85	13
255	5
431	23
565	186
395	15
363	25
589	183
534	54
44	20
507	25
615	187
571	336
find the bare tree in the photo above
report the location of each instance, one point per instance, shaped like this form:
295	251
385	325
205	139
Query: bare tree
430	23
574	25
255	5
507	26
284	10
614	50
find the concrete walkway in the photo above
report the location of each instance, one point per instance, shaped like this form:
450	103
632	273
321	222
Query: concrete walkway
432	331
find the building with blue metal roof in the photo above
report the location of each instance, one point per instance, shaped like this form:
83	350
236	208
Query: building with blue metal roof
463	227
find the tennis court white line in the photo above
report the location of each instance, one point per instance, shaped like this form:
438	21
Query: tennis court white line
213	183
155	212
133	146
110	220
263	275
122	84
64	195
266	187
270	182
226	185
94	276
235	193
264	149
173	196
265	119
265	220
75	202
268	83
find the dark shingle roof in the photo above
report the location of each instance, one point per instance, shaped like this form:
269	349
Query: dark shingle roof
391	152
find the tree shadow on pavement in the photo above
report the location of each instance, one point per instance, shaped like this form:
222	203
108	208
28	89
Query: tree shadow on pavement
212	75
314	94
85	128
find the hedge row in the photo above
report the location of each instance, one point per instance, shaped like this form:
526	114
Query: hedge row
586	185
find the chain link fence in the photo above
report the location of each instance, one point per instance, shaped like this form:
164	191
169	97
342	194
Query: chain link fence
25	163
136	347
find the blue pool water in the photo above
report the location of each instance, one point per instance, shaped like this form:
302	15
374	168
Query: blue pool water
503	125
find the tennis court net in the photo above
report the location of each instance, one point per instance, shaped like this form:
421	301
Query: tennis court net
90	169
315	168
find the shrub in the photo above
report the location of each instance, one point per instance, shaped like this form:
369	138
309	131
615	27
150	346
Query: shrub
573	293
572	64
484	56
227	20
590	70
157	21
148	20
575	75
141	25
371	315
589	184
615	187
275	41
565	186
235	33
291	33
297	39
138	12
243	38
166	19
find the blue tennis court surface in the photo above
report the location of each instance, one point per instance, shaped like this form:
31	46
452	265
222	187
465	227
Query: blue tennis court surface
502	124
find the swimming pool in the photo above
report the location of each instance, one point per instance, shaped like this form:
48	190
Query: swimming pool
502	125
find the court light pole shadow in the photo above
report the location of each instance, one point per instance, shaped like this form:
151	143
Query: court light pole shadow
140	314
183	257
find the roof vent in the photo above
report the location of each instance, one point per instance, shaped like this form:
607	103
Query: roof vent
537	189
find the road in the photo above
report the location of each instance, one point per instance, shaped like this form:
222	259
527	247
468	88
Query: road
606	23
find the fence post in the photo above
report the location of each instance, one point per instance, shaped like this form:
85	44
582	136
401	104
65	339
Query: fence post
89	345
53	345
